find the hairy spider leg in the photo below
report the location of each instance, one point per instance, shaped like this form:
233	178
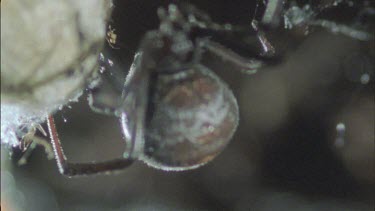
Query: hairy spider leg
80	169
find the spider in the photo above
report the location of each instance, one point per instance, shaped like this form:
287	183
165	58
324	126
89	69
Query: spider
175	113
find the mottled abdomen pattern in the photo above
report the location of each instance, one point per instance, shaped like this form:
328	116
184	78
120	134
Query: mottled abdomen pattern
194	117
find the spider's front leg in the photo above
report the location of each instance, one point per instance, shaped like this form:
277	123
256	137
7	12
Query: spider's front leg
80	169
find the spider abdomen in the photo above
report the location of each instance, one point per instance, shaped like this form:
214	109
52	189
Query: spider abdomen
194	117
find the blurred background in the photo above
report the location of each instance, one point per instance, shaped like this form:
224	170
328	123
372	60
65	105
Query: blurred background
305	140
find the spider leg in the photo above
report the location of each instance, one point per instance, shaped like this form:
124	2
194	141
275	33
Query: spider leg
79	169
268	49
30	141
246	65
134	107
232	37
34	142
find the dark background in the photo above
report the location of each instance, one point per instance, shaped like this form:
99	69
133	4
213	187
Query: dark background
285	154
